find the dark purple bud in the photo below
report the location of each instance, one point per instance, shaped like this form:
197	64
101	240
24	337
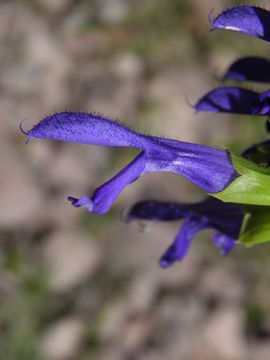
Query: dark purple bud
249	20
249	68
230	100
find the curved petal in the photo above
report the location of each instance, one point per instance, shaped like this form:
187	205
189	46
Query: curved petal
230	100
224	242
208	168
105	195
249	20
182	242
250	68
87	129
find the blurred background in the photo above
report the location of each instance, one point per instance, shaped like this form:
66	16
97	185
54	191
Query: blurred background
78	286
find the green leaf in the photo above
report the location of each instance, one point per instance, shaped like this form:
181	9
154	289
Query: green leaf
252	187
256	225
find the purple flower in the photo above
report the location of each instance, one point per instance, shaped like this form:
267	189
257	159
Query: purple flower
249	20
210	169
250	68
235	100
225	218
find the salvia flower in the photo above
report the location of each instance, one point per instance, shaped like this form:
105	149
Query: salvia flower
233	222
225	218
209	168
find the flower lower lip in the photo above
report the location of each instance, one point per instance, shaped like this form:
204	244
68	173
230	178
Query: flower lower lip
212	213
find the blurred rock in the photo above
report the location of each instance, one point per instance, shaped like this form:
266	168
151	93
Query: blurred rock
39	153
134	334
48	59
258	350
125	331
90	44
142	292
62	340
112	88
112	11
19	193
174	117
223	283
55	6
70	170
221	336
71	258
176	320
34	70
60	212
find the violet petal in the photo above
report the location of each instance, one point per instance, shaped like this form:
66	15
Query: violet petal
229	100
224	242
208	168
104	196
249	20
179	249
87	129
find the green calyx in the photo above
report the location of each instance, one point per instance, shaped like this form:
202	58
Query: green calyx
252	187
256	225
